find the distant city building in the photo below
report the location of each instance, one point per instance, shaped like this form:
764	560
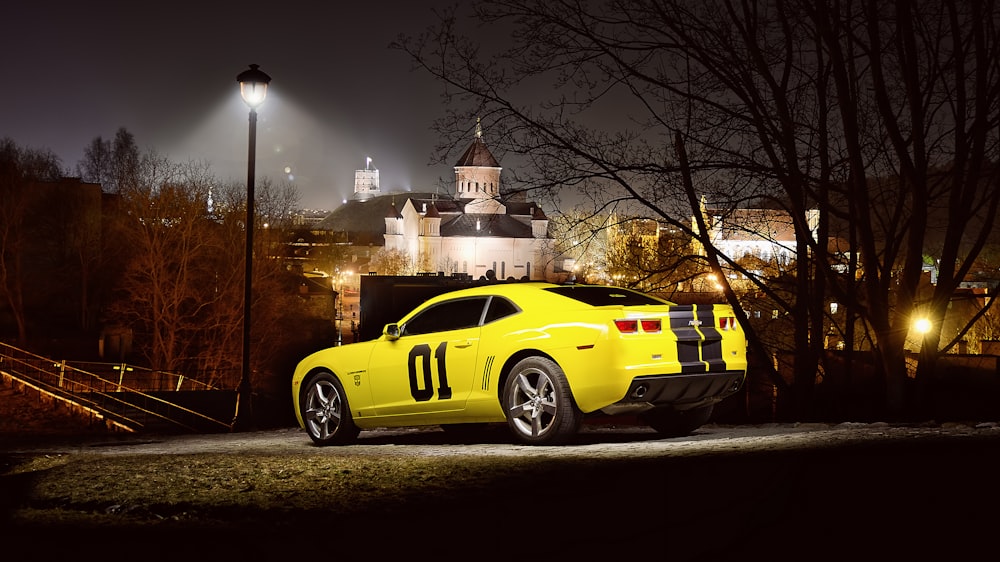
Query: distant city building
472	231
308	218
765	234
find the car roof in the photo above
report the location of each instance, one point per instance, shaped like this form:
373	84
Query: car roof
532	289
511	289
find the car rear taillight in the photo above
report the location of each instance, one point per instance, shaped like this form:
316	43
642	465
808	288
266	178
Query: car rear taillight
651	325
648	325
727	322
627	326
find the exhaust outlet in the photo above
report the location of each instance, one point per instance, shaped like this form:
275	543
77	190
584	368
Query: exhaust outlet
640	391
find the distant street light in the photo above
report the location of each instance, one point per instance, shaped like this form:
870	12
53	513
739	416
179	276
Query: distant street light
253	89
922	325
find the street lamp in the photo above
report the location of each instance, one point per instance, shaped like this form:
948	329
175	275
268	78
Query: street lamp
253	89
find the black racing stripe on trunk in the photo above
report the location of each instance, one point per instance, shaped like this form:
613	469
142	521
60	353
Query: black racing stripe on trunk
688	339
711	348
688	356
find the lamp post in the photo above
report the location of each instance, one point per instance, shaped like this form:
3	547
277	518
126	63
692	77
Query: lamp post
338	313
253	89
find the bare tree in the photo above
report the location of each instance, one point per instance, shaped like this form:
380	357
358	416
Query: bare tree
112	163
920	123
875	114
182	288
96	164
125	161
170	279
582	238
391	262
276	304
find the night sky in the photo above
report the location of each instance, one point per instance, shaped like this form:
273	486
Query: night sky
166	71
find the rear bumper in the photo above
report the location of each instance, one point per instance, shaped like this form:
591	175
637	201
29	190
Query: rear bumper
682	391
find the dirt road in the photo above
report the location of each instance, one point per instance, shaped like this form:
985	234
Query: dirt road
775	492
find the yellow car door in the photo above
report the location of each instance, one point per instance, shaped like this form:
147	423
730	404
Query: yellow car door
429	368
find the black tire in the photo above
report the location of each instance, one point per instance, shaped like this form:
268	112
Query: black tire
325	411
538	403
677	423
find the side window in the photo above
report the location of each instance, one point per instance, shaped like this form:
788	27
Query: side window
449	315
499	308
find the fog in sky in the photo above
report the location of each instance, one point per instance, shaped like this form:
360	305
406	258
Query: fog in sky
166	71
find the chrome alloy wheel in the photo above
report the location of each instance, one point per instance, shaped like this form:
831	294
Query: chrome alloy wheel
325	411
539	404
532	405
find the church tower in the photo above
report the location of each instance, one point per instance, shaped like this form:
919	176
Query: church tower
477	178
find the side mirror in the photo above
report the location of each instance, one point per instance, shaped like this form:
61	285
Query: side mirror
391	331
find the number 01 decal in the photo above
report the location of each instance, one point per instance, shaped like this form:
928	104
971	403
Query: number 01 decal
423	393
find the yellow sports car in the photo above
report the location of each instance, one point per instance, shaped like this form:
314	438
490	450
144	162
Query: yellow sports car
537	355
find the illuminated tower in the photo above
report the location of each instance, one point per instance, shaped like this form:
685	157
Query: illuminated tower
366	181
477	178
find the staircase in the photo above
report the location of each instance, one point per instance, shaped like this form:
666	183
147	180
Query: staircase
194	411
113	402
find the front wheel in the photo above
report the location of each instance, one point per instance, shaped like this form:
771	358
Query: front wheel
538	403
325	411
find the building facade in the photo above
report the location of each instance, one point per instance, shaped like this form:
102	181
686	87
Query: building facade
474	230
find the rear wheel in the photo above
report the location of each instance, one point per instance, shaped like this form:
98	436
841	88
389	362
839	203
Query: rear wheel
325	411
538	403
677	423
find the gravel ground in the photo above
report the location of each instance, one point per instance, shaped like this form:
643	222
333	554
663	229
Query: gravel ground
765	492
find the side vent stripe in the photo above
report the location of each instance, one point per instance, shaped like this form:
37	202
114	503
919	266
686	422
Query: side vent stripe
486	371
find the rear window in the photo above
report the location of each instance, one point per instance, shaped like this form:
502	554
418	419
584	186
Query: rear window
499	308
603	296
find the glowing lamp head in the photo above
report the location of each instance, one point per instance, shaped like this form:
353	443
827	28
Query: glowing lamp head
253	85
922	325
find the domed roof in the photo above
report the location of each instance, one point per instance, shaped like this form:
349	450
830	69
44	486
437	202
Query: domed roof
477	154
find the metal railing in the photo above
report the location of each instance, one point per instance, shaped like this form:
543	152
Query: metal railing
120	391
114	377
